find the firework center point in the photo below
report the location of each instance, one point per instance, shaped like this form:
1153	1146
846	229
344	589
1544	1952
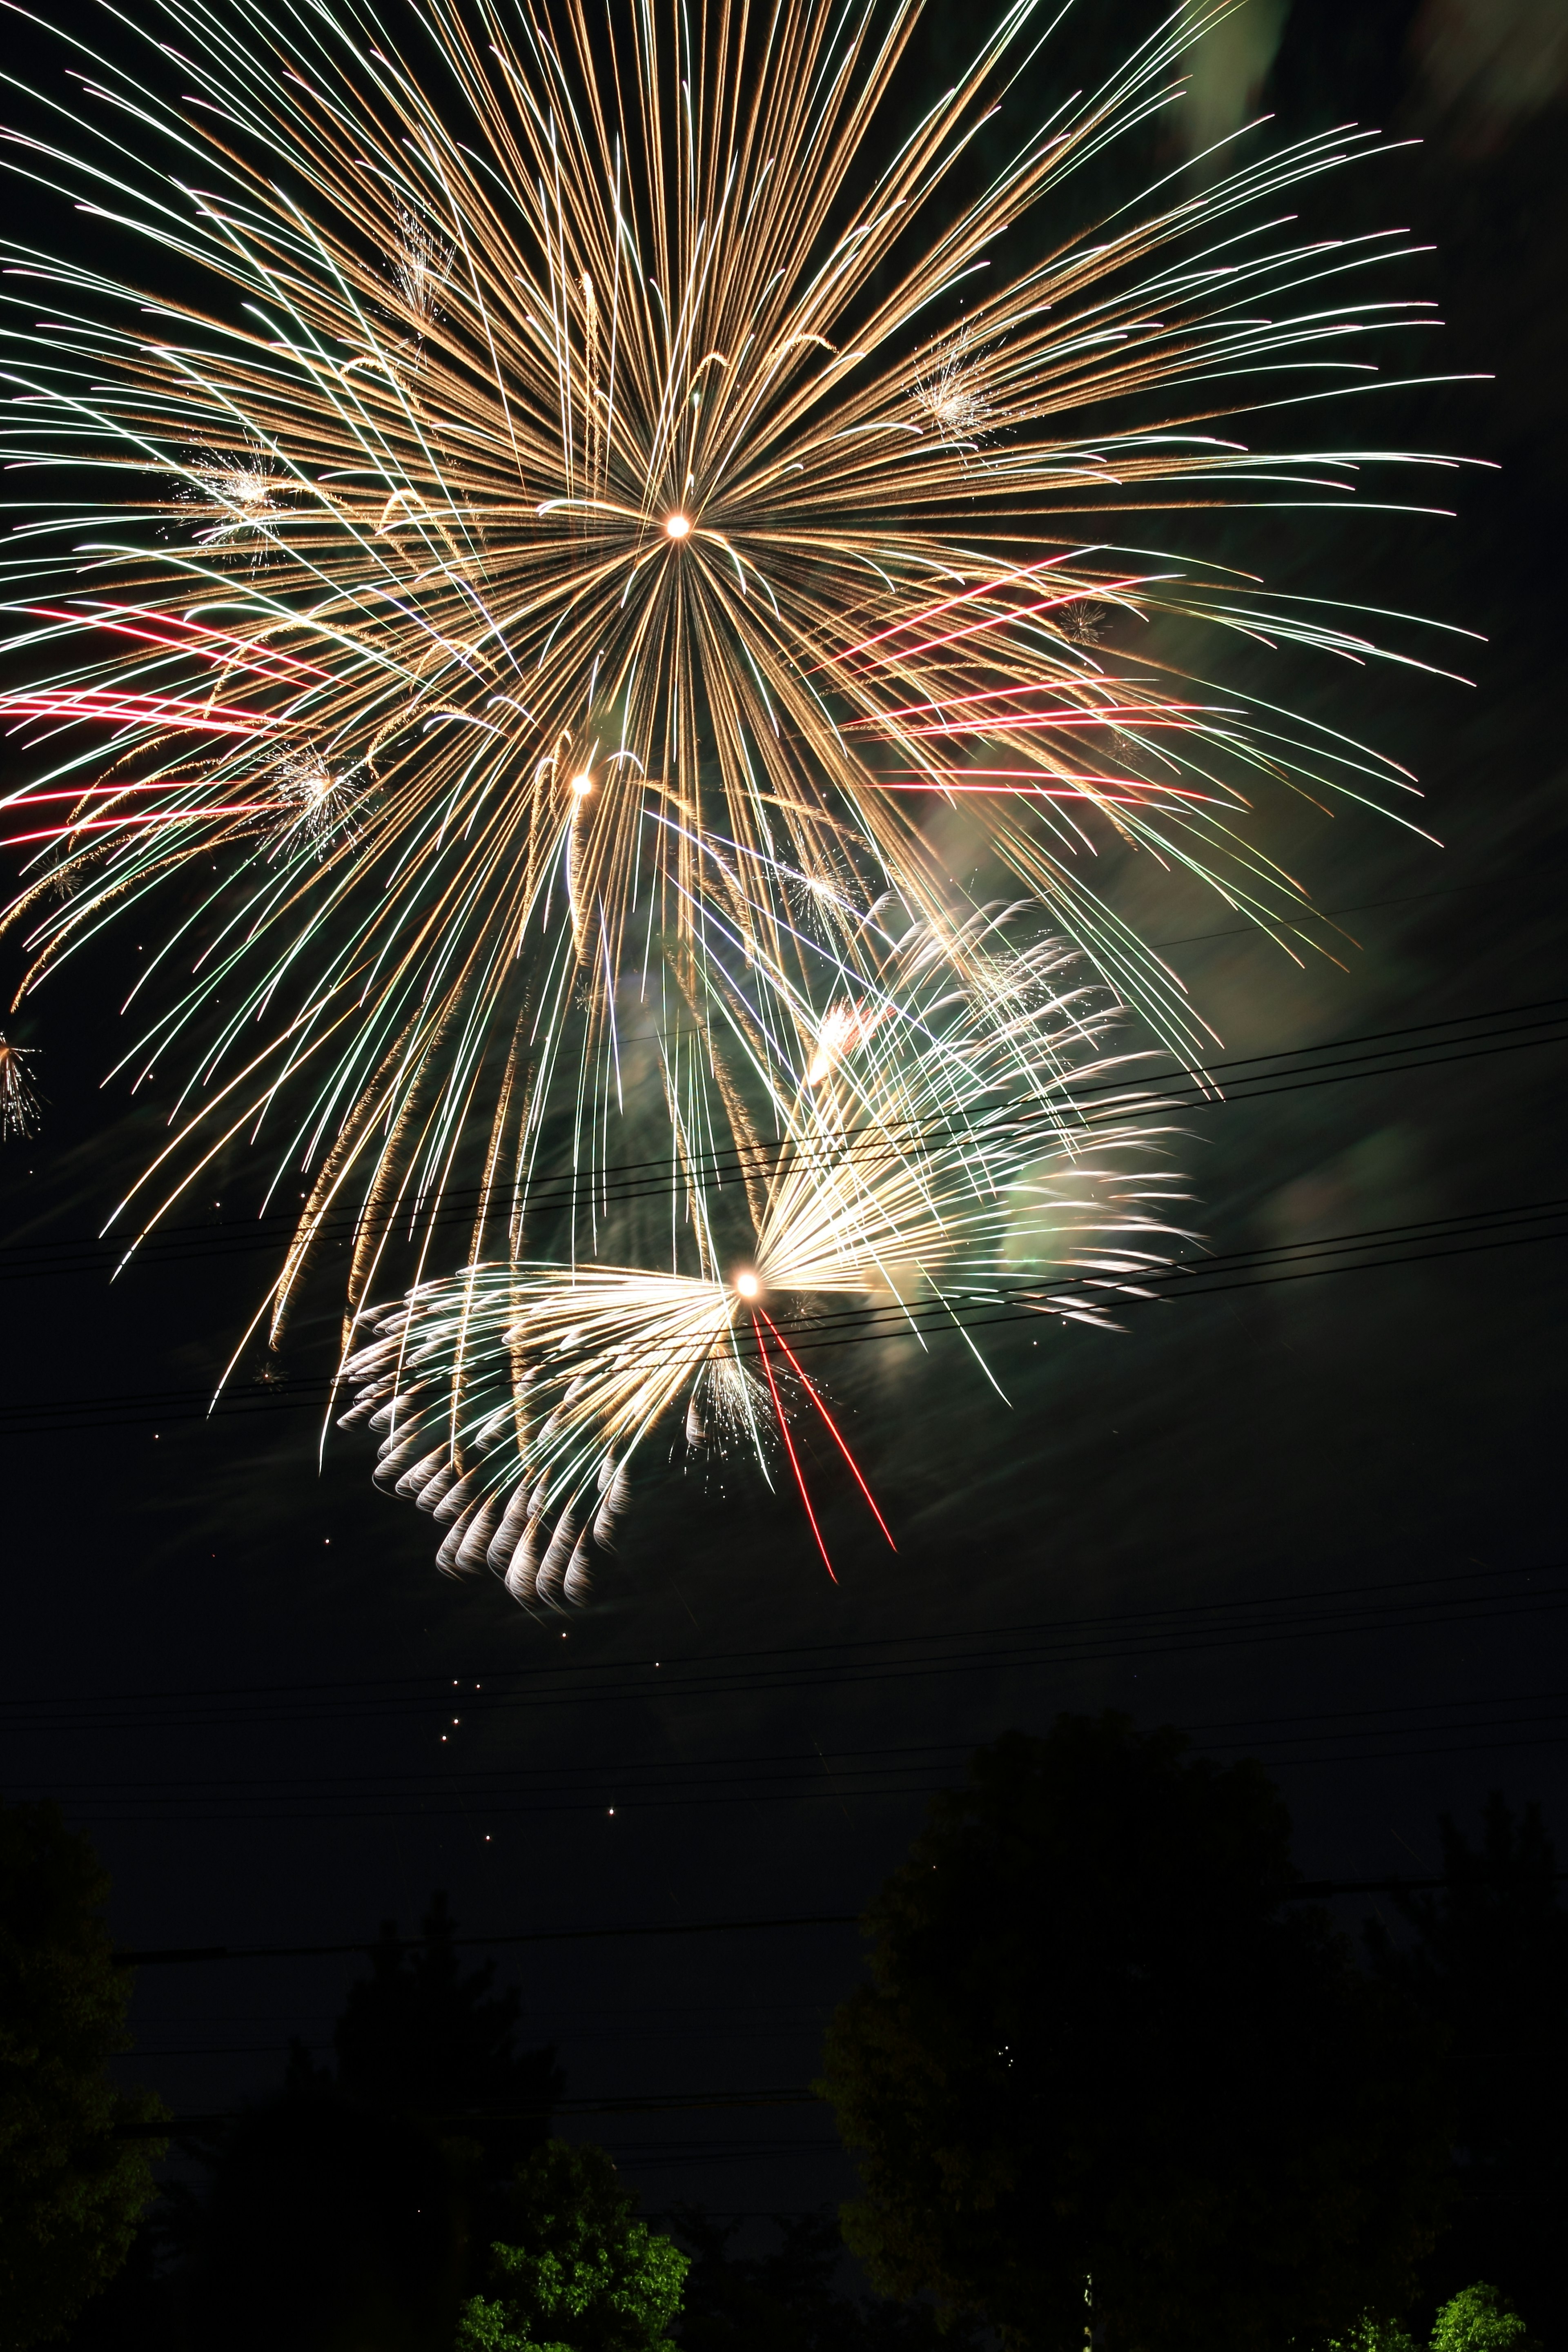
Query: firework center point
749	1285
582	783
677	526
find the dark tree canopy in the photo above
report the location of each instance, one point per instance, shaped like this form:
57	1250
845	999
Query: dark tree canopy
791	2299
1489	1962
72	2184
1097	2045
330	2229
418	2037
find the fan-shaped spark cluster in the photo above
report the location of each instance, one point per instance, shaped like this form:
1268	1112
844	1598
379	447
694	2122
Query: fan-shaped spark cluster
947	1156
18	1095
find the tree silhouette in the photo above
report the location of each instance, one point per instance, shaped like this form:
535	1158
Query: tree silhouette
1488	1962
790	2299
329	2228
419	2038
72	2180
1098	2047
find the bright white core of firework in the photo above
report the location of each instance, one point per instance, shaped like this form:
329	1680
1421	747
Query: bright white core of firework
748	1285
677	526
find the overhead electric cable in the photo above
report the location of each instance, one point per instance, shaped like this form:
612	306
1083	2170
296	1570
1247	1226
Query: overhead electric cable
963	1308
1453	1596
1299	1891
1241	1080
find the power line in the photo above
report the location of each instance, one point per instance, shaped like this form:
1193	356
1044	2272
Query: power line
967	1307
859	1791
662	2156
1240	1080
1171	1628
174	1956
560	2033
1361	906
483	1793
1298	1891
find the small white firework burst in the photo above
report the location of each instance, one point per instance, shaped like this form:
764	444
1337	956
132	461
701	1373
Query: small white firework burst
1086	624
948	391
728	1412
317	799
419	268
240	495
18	1100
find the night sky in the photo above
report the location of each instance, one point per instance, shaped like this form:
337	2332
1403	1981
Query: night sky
1315	1520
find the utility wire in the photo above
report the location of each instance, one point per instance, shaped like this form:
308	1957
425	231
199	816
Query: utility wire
493	1795
476	1812
477	1815
482	1792
1300	1891
1174	1629
723	2152
173	1955
965	1306
1240	1080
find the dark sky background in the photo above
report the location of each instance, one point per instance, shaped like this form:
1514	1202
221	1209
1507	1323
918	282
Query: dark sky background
1316	1521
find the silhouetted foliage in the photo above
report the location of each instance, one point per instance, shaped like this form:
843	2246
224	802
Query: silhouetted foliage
789	2300
584	2276
1097	2044
1488	1962
330	2229
419	2038
138	2310
71	2182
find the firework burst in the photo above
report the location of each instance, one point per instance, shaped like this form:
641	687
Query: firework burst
18	1097
584	453
942	1158
624	480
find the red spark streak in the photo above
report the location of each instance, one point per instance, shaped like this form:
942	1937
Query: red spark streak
793	1458
949	603
996	693
156	710
995	722
833	1425
91	619
1000	620
1024	722
163	817
93	792
995	620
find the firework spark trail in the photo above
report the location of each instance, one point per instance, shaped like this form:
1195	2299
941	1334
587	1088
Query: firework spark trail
780	1422
660	429
18	1097
810	1389
936	1152
614	481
